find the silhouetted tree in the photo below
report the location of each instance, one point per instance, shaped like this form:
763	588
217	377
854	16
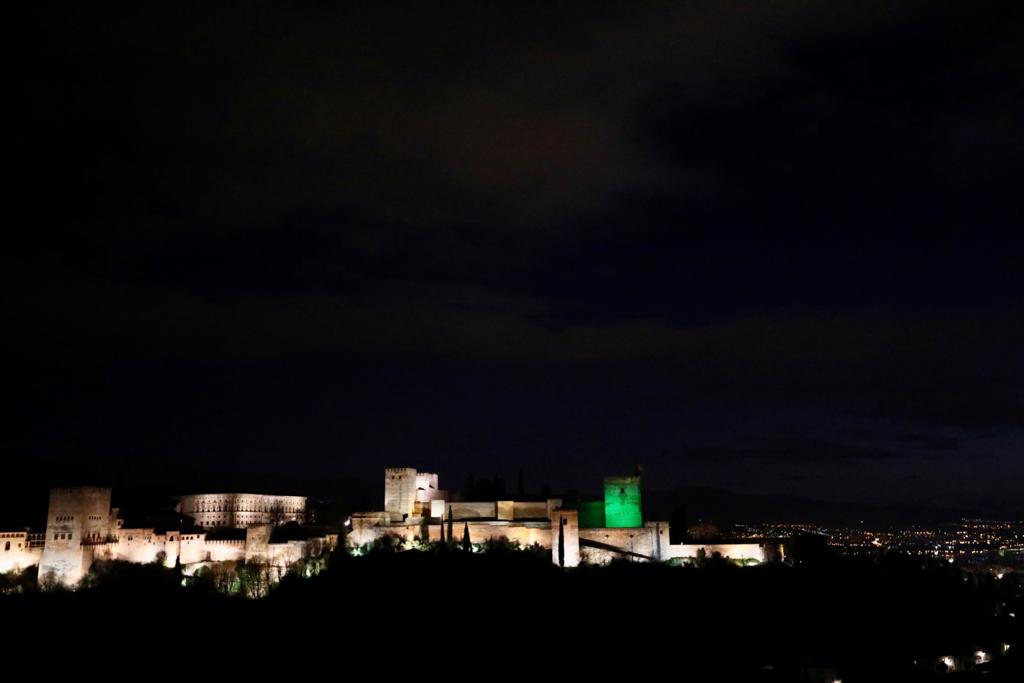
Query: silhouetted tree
24	581
466	545
451	533
561	542
255	579
501	546
388	544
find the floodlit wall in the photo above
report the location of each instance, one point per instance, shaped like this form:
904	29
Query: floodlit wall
192	548
506	510
526	534
365	527
758	552
531	510
482	510
603	545
138	545
225	550
363	532
480	531
16	553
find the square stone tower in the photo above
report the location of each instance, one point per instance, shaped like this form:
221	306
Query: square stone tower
622	502
399	492
78	519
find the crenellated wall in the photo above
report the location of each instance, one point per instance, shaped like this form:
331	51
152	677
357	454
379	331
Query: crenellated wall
539	523
82	528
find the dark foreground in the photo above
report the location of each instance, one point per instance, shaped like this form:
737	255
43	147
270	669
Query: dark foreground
488	615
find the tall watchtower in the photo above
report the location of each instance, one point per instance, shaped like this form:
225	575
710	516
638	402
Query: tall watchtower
78	519
399	492
622	502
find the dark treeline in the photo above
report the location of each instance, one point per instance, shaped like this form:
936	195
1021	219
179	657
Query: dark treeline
865	620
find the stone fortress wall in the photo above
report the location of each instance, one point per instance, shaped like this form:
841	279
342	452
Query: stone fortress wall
625	535
82	528
19	550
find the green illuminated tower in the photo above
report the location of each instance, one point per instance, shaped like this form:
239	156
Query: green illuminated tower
622	502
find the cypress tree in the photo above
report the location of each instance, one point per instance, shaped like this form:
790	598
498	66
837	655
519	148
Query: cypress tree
451	534
561	542
466	545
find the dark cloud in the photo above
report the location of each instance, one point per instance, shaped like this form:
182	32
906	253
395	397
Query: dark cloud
935	443
747	207
785	450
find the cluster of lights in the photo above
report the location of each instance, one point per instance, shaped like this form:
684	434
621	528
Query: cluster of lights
971	541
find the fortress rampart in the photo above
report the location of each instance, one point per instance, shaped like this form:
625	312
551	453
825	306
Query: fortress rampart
548	524
82	528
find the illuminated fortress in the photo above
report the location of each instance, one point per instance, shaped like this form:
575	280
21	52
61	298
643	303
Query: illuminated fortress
417	510
82	528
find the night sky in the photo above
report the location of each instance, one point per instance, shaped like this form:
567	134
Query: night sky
769	247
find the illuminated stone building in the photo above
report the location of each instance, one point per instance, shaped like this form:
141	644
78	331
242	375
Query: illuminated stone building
241	510
594	532
82	528
19	550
